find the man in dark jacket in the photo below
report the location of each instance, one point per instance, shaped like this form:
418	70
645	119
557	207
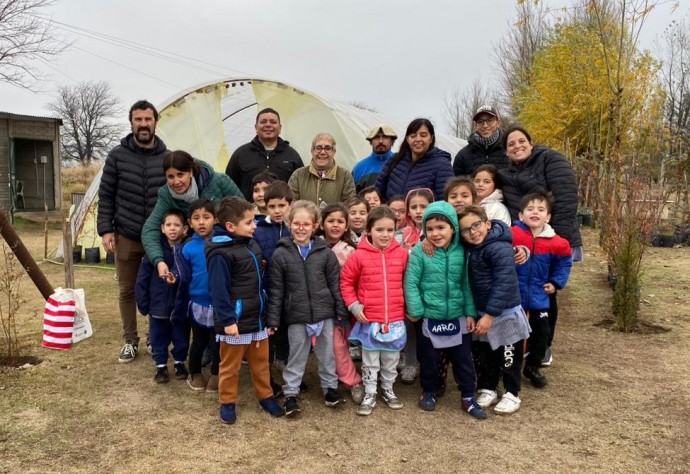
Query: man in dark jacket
132	174
484	145
266	152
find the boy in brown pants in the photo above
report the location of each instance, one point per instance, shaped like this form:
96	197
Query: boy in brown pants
235	286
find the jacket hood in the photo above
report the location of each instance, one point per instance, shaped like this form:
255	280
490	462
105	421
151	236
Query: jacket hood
496	196
445	209
221	237
547	232
129	143
499	231
436	153
537	151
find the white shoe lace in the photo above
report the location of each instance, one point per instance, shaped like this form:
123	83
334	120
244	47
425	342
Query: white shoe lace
129	350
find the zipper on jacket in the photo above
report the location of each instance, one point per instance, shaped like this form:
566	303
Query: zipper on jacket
447	281
261	300
529	272
385	290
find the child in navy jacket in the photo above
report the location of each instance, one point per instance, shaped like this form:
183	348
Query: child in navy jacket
155	297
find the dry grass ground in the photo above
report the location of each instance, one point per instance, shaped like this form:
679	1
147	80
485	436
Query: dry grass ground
615	402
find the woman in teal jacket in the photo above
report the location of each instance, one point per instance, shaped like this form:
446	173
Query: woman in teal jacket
437	290
187	180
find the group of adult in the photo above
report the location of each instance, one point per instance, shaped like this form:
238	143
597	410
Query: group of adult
142	180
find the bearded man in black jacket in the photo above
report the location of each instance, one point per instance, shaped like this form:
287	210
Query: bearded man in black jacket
132	174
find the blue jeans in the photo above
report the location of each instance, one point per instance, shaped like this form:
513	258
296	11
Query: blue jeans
163	332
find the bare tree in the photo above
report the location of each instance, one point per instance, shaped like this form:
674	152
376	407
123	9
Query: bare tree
24	38
459	106
514	53
86	110
675	75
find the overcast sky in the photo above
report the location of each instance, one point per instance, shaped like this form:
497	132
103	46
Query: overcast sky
399	56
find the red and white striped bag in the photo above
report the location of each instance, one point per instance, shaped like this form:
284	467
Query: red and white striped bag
65	319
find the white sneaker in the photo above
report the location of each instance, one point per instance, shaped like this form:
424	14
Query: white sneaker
391	400
408	374
367	405
486	398
509	404
357	392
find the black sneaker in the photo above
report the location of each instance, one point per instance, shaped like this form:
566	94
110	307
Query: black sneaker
333	398
128	352
161	375
291	406
537	379
181	371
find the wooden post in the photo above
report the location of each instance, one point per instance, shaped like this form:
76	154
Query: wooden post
24	257
67	250
45	232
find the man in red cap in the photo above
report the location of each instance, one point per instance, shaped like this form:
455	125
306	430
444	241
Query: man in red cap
484	145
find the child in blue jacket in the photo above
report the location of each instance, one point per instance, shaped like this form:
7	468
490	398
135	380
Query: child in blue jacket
155	297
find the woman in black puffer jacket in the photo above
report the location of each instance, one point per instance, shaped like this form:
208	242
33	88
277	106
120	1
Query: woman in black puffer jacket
538	167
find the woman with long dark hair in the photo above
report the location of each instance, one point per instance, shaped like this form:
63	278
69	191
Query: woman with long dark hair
418	164
187	180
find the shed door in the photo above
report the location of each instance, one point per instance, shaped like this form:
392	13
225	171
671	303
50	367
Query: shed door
33	174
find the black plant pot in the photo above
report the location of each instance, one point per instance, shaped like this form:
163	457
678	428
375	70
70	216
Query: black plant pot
587	219
579	220
667	241
76	254
110	258
93	255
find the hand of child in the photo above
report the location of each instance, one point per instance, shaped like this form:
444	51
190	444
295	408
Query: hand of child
428	248
232	330
520	255
361	317
549	288
170	278
163	269
470	324
271	331
483	325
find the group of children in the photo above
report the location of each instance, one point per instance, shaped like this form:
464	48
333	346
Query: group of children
436	281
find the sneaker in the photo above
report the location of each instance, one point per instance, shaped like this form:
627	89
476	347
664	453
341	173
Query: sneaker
161	375
128	352
509	404
427	401
271	406
356	353
357	392
277	389
291	406
333	398
548	358
149	347
537	379
470	406
391	400
408	374
212	384
486	398
367	405
196	382
228	415
180	371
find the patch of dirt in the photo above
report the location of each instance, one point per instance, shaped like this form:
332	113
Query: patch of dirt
641	327
19	362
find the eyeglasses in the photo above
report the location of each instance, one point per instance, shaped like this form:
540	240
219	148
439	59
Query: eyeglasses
319	148
488	121
398	211
296	225
473	228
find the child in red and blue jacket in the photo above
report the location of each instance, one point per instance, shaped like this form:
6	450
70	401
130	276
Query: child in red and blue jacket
545	272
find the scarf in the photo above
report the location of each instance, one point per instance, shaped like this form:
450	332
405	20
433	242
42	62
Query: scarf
487	142
189	196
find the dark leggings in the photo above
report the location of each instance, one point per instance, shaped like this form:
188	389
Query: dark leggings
553	317
506	361
203	337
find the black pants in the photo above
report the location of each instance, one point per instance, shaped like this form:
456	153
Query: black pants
506	361
553	317
536	344
203	337
461	358
278	344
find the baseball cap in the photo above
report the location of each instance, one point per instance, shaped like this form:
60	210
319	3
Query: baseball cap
384	128
485	109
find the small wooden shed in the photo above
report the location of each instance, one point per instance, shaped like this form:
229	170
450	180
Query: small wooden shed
29	163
